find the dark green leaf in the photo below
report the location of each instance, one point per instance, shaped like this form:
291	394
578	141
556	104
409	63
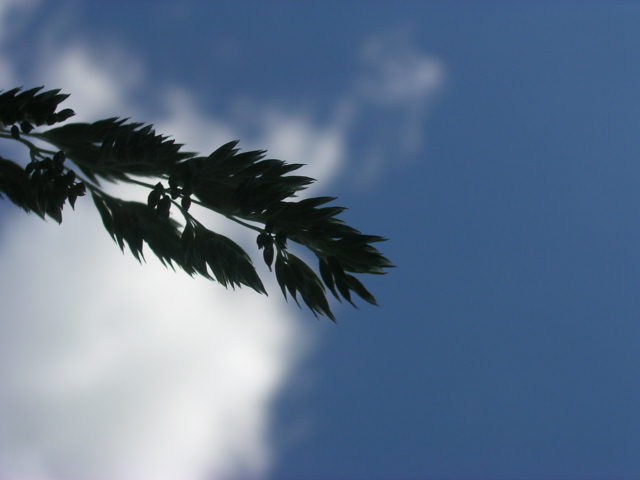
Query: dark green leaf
354	284
14	182
327	276
268	254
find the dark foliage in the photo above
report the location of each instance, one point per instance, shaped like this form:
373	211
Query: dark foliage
246	187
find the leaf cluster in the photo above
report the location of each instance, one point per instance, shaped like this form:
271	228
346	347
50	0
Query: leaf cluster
257	192
29	108
114	149
43	187
196	250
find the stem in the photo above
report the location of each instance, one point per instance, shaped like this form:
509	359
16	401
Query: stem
138	182
244	224
30	145
96	189
187	216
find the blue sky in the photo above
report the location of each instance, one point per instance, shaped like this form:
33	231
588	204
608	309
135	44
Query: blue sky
494	144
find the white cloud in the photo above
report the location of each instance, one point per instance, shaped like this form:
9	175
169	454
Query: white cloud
101	82
113	370
109	369
199	131
299	140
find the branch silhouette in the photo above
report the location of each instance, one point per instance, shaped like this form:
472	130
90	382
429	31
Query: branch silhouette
246	187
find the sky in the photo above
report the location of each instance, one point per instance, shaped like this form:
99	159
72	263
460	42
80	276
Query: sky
494	145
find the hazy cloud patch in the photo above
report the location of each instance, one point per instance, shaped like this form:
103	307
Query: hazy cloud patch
398	74
397	80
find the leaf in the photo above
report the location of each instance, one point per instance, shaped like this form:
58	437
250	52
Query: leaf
354	284
228	262
105	215
280	274
327	277
309	203
34	108
309	286
133	224
268	254
285	277
14	182
343	288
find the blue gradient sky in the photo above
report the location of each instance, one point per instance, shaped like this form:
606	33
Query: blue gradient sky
506	344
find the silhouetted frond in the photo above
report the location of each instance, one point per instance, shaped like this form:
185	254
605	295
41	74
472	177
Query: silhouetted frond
257	192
